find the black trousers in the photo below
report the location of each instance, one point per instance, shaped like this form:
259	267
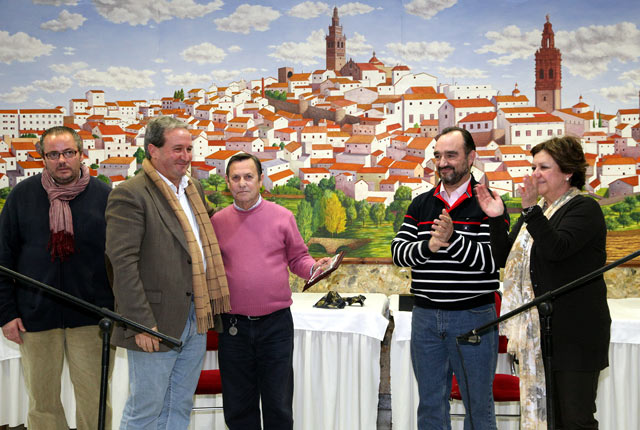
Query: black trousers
575	399
256	365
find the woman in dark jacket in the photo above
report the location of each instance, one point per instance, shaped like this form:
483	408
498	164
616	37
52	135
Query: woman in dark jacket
557	239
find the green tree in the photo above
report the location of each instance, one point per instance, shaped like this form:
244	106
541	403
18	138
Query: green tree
317	220
312	193
4	192
349	208
94	166
29	135
294	182
612	224
104	179
282	145
335	217
215	181
635	216
139	154
216	199
620	207
328	184
625	220
362	210
377	213
304	216
631	201
402	193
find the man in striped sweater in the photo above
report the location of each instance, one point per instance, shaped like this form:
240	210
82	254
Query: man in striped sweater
445	241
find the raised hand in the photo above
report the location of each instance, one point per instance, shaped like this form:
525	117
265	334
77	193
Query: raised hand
489	201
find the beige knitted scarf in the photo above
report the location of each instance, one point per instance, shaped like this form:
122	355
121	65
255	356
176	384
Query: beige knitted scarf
61	243
523	330
210	288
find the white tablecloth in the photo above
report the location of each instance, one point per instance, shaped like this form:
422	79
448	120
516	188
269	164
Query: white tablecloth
336	369
618	389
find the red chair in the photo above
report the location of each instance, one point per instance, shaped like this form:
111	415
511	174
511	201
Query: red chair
506	388
210	382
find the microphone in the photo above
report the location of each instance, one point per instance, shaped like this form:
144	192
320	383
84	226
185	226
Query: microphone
471	337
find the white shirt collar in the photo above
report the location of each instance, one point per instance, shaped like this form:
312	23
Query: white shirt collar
455	195
246	210
184	181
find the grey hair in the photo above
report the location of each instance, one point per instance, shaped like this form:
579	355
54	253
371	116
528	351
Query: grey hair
156	129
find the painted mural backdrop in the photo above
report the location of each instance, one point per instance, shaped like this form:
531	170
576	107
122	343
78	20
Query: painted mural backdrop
341	100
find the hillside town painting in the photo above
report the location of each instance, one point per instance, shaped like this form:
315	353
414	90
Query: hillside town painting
341	102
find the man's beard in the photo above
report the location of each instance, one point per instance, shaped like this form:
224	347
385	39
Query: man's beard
454	176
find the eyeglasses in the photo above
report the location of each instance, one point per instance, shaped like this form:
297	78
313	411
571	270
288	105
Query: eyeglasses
55	155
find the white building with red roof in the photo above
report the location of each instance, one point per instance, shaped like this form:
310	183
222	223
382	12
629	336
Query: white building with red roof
624	187
529	131
420	106
452	111
113	166
615	167
220	160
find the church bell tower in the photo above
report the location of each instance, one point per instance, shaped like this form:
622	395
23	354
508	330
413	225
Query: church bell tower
548	72
336	44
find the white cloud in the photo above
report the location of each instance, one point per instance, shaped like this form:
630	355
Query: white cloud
41	102
17	94
58	84
69	50
65	21
68	68
305	53
622	94
140	12
460	72
187	80
246	18
427	9
356	8
511	44
391	61
159	61
21	47
632	75
309	9
418	51
120	78
357	45
204	53
234	48
57	2
230	75
588	51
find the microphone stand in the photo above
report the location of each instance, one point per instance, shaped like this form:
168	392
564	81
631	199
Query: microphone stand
105	324
545	308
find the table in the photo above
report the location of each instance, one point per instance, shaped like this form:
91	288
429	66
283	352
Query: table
618	387
336	370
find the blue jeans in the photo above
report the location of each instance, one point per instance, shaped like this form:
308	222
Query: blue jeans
435	359
162	384
256	365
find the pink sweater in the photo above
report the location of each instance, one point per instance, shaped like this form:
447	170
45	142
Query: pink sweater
257	247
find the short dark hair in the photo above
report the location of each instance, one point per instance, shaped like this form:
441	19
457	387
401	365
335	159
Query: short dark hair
469	144
55	131
567	152
154	134
245	156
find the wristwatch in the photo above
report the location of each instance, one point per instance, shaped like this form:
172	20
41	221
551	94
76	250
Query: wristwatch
526	212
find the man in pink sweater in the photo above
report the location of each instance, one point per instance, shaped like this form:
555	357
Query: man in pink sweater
259	240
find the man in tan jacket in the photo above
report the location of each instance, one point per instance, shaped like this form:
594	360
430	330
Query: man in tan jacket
167	274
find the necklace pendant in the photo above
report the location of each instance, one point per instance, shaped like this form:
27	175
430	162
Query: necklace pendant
233	330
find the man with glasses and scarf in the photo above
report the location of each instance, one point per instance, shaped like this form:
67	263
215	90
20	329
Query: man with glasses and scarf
52	229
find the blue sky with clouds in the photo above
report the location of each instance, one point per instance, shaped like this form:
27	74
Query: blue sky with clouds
55	50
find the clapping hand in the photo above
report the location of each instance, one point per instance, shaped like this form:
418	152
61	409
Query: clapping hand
441	231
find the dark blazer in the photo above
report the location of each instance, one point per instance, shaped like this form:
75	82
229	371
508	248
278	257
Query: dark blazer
24	235
569	245
148	260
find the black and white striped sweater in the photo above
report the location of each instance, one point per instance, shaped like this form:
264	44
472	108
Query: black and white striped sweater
462	276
